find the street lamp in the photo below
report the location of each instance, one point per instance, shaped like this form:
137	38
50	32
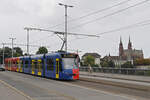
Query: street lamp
12	45
65	37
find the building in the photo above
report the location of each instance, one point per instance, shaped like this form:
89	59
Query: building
116	59
129	54
125	55
95	55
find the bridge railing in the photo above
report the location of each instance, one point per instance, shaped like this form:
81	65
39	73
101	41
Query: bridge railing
126	71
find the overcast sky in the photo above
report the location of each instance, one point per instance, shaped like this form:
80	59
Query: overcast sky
17	14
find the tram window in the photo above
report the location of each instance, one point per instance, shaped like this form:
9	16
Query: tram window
36	64
33	66
26	63
60	65
70	63
43	64
6	63
14	63
50	64
21	64
17	63
39	65
10	63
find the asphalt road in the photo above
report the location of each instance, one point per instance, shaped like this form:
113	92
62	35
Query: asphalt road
39	88
127	92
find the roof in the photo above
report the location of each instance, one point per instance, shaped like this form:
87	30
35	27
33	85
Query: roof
96	55
114	58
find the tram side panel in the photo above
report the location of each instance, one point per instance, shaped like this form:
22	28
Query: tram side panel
6	63
48	65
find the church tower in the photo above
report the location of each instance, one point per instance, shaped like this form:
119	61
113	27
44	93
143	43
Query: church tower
121	50
129	44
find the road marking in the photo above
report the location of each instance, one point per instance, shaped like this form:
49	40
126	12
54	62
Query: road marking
49	91
18	91
52	91
104	92
72	98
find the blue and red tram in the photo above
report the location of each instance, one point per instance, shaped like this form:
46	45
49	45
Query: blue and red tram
59	65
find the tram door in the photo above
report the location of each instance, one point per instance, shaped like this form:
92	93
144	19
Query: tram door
21	66
43	67
9	64
33	67
39	67
57	68
18	65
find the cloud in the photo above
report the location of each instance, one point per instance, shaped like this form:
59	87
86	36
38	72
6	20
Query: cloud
30	7
17	14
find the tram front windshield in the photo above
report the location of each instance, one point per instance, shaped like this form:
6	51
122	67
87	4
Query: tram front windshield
70	63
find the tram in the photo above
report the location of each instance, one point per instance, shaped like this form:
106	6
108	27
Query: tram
58	65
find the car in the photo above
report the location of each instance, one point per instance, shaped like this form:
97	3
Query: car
2	68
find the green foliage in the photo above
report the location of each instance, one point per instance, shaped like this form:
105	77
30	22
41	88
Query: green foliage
96	65
111	63
107	63
139	73
18	52
7	53
128	64
42	50
139	62
104	64
148	73
89	60
25	54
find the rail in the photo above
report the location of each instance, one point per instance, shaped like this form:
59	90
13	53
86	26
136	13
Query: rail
125	71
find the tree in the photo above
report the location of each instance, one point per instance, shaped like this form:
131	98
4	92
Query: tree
107	63
89	60
111	64
128	64
25	54
104	64
18	52
42	50
139	62
7	53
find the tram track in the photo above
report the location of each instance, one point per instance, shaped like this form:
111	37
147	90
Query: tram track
117	84
139	94
110	77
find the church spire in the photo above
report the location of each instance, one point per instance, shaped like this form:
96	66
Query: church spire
121	47
129	44
120	40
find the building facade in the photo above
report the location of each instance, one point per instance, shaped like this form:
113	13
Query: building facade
125	55
129	53
95	55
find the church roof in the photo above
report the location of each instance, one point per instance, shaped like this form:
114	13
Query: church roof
134	51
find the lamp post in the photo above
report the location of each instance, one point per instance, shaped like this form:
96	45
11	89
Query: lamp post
65	35
12	45
3	53
27	41
28	29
